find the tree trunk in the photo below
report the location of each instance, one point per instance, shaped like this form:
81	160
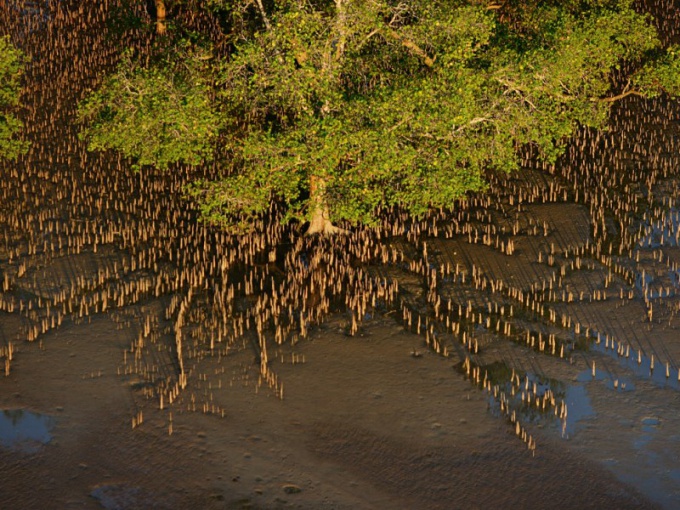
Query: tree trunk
160	17
320	222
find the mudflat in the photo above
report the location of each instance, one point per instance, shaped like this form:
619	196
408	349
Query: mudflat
363	424
153	362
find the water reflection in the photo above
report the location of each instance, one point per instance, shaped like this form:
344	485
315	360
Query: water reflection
580	408
24	430
639	364
531	399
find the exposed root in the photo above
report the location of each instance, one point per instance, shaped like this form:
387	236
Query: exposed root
324	227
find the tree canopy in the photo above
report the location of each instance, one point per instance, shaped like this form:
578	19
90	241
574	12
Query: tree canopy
158	115
338	109
11	68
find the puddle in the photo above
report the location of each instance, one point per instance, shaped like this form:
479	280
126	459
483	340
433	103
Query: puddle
24	430
657	286
649	427
642	366
664	232
640	442
613	383
574	396
116	496
650	424
657	481
620	384
579	409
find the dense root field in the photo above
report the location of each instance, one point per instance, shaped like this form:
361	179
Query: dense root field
524	340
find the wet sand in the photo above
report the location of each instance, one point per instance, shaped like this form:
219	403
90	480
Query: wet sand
364	424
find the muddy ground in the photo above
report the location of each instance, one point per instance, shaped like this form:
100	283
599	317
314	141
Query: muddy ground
364	424
519	350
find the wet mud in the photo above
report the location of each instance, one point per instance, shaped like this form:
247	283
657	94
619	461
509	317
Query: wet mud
526	338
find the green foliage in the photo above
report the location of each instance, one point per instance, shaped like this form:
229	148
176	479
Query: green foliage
661	75
11	68
563	77
352	105
383	103
158	116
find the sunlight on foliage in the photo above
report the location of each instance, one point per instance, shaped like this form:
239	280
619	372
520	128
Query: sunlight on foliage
384	103
11	68
157	116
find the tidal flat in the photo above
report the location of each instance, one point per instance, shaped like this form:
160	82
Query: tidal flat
518	350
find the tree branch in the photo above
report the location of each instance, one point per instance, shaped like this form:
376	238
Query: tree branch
341	28
366	39
263	13
476	120
620	96
402	121
429	62
511	87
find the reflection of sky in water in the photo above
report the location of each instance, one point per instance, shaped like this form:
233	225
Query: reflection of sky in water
24	430
641	441
659	286
613	383
655	483
575	396
666	231
578	408
649	426
653	476
642	369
